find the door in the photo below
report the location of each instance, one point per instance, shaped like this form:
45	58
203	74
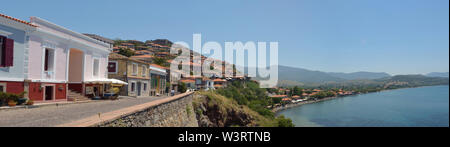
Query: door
48	93
138	88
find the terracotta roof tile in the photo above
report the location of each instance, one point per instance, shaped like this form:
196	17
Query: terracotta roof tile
278	96
187	81
18	20
142	56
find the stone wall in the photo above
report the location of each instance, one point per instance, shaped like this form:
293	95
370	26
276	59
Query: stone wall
176	113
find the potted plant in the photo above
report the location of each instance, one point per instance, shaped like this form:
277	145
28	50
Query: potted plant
29	102
12	99
21	100
2	98
12	103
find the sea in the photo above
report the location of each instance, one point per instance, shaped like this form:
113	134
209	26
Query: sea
409	107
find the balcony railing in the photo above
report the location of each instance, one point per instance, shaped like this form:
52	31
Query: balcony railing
49	75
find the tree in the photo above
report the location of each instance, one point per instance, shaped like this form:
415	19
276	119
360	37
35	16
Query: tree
297	91
126	52
276	100
182	87
284	122
159	61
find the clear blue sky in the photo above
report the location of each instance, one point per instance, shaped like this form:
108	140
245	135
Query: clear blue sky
394	36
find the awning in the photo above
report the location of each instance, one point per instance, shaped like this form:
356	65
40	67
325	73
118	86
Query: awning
106	81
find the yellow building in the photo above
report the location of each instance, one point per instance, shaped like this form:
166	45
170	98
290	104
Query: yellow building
136	73
158	80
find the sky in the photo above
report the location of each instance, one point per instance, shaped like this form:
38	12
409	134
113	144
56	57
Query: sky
393	36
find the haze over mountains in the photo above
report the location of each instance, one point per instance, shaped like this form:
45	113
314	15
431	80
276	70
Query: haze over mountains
288	76
309	76
438	74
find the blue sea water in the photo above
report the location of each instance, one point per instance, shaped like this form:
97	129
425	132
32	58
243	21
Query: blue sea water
411	107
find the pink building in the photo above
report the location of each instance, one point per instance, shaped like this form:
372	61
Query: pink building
65	63
53	63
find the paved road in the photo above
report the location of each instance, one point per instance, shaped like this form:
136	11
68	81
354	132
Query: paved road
49	116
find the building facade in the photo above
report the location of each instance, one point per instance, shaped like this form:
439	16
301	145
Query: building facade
136	73
158	76
50	61
14	49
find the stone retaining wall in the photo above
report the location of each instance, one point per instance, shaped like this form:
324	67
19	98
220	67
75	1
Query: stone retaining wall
175	113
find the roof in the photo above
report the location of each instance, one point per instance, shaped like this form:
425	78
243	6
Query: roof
158	67
100	38
17	20
219	80
187	81
142	56
278	96
143	51
286	99
117	56
218	85
126	43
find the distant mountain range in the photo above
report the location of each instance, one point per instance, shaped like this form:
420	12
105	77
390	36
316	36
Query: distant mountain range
360	75
305	76
290	76
309	76
438	74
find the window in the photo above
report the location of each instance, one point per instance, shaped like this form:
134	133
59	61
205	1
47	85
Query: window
96	67
144	70
134	69
6	52
112	67
145	86
2	87
198	81
1	50
49	62
133	86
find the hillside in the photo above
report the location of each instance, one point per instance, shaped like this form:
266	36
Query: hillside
417	80
214	110
360	75
438	74
286	73
292	75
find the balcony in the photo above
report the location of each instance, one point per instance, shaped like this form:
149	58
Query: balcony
49	75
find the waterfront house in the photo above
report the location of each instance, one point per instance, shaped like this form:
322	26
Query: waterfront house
135	72
286	100
220	83
278	96
190	84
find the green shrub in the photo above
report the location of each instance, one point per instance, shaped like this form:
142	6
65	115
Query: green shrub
284	122
5	97
182	87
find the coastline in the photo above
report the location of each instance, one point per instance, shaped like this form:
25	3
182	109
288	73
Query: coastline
288	106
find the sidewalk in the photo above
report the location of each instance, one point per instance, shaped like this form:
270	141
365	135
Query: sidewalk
48	115
43	104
